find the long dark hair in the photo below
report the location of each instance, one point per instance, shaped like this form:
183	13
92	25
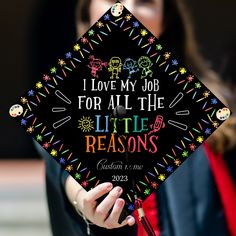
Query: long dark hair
178	36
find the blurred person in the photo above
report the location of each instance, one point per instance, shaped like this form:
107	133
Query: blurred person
199	198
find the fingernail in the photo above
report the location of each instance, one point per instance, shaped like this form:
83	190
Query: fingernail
119	189
120	203
109	186
130	220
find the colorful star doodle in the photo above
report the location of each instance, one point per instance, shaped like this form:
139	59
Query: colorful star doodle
68	55
162	177
46	78
39	85
84	40
154	184
100	24
206	94
147	191
169	169
30	129
174	62
182	70
207	131
61	62
31	93
53	70
185	154
167	55
76	47
77	176
128	17
143	32
91	32
192	147
177	162
106	17
190	78
214	101
53	153
135	24
151	40
39	138
215	124
24	100
23	122
159	47
200	139
62	160
84	184
46	145
69	168
198	85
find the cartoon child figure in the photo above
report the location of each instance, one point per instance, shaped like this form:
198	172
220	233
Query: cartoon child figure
145	63
96	65
158	124
115	65
130	65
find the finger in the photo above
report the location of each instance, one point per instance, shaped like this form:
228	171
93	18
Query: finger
112	220
130	220
105	206
97	192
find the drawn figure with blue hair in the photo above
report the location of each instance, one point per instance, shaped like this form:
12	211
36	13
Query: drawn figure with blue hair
130	65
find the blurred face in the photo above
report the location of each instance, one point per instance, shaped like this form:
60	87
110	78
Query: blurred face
149	12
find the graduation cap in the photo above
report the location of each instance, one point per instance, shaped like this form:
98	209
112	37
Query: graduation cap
120	107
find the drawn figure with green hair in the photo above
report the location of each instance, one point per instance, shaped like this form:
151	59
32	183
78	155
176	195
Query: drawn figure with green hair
145	63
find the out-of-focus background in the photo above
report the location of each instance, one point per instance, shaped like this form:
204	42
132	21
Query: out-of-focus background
33	34
23	210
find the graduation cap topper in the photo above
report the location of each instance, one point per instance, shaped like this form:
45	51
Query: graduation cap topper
119	107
